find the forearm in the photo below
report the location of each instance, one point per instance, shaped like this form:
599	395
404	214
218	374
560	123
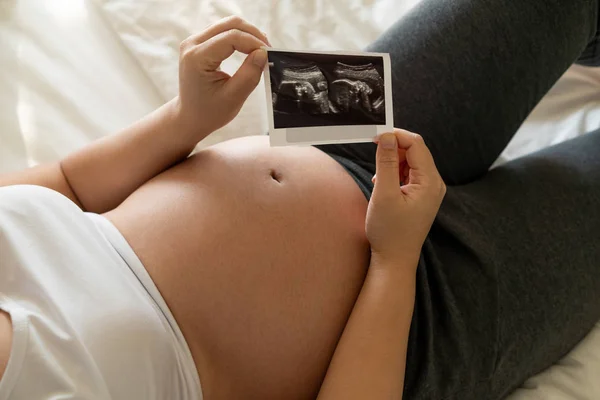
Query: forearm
49	175
370	359
101	175
104	173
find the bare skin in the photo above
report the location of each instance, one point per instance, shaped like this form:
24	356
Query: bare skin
260	253
5	340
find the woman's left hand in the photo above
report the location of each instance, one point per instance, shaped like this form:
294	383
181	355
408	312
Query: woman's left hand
208	97
406	198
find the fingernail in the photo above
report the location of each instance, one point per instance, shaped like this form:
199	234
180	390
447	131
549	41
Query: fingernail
267	39
259	58
388	141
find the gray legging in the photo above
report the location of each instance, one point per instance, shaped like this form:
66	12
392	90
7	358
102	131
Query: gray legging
509	277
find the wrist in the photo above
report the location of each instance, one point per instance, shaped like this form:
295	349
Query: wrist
402	263
392	275
186	129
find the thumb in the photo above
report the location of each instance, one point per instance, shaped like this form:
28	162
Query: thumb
387	162
243	82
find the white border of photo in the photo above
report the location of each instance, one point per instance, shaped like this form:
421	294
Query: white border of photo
330	134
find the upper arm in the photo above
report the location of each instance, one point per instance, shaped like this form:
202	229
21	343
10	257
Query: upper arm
5	340
48	175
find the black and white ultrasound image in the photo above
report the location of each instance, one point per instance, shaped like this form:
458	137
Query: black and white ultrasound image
326	89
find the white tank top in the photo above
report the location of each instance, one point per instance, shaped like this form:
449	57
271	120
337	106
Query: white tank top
88	321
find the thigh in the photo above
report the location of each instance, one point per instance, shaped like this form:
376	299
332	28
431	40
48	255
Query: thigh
531	226
467	73
591	55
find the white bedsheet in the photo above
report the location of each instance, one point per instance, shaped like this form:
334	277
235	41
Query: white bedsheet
65	79
71	72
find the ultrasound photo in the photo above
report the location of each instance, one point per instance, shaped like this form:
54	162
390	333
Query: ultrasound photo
311	89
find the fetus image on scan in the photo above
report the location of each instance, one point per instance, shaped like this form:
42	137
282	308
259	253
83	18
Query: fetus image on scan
305	87
326	90
358	86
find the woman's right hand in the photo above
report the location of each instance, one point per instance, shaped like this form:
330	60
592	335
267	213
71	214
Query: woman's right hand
208	97
407	196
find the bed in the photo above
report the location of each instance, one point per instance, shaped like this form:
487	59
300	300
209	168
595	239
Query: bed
75	70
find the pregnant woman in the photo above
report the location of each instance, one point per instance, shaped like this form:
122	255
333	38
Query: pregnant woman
246	271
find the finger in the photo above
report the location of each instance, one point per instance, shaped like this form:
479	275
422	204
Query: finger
405	174
224	25
387	163
215	50
420	164
403	171
243	82
418	156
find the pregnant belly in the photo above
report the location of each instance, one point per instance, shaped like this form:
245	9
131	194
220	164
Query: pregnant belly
260	253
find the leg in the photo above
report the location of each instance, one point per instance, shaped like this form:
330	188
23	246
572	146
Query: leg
467	73
591	55
465	76
514	257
